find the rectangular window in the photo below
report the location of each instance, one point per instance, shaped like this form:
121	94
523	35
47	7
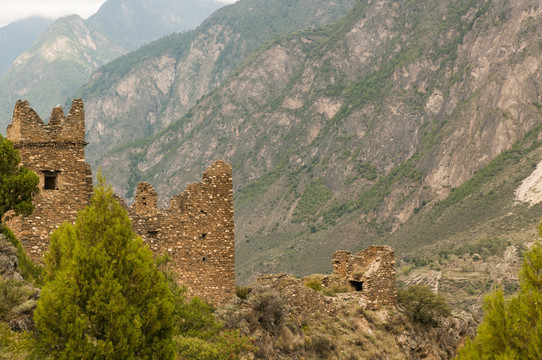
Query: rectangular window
50	180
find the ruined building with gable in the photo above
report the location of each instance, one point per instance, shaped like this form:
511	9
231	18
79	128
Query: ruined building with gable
196	231
370	272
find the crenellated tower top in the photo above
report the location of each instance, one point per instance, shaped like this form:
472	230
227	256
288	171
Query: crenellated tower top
28	128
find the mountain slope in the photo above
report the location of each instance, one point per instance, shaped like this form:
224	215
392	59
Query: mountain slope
146	90
18	36
340	136
55	66
133	23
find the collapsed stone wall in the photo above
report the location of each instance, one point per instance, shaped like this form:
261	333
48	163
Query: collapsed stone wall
196	232
371	272
55	152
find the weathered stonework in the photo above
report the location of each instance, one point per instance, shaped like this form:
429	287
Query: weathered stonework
56	153
196	232
371	272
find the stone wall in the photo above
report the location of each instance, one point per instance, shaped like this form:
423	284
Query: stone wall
196	232
55	152
371	272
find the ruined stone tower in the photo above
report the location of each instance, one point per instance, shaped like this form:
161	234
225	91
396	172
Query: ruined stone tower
196	231
56	153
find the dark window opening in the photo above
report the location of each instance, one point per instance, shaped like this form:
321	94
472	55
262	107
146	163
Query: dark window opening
204	259
203	236
50	180
153	234
357	285
203	212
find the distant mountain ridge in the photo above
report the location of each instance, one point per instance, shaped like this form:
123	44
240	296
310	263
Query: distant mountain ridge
18	36
67	53
55	66
133	23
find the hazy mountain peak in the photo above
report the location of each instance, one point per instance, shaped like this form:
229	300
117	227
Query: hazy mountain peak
18	36
137	22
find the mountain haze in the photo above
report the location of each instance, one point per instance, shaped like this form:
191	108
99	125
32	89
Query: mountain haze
18	36
344	135
133	23
55	66
66	54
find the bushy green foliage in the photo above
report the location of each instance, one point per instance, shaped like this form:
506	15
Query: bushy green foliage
17	184
242	292
315	195
13	346
103	297
512	329
12	293
422	304
198	335
314	283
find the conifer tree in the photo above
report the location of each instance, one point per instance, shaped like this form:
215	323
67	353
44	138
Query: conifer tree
17	184
103	297
512	329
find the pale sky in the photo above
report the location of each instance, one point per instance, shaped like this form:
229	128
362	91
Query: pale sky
12	10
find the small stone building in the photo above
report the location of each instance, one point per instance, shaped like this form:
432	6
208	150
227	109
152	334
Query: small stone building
370	272
196	232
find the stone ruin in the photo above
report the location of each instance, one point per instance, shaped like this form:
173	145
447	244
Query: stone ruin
196	231
56	153
370	272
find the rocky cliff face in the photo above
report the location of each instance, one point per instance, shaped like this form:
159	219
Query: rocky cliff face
339	135
145	91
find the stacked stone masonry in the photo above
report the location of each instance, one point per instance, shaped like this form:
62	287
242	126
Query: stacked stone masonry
55	152
371	272
196	232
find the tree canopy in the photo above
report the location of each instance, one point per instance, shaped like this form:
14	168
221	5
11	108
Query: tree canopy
103	297
512	328
17	184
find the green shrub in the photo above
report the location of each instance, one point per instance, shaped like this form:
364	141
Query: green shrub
314	283
334	289
422	304
242	292
12	294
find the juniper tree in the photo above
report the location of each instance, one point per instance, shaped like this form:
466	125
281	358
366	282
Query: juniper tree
103	297
17	184
512	329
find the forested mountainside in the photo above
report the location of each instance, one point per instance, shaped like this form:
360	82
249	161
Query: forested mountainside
18	36
55	66
133	23
341	135
148	89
